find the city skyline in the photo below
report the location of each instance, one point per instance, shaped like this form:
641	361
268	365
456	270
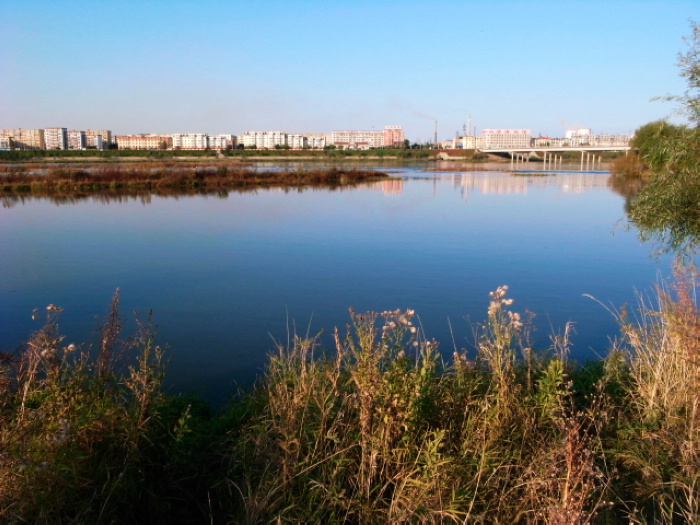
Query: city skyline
223	67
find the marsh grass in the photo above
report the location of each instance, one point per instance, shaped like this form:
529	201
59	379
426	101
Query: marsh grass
379	429
67	180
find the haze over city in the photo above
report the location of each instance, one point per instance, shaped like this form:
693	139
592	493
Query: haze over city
228	67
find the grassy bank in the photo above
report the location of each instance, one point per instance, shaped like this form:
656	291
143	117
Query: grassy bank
245	154
379	429
67	180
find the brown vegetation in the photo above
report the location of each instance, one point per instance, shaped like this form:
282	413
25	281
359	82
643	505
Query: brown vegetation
629	166
71	180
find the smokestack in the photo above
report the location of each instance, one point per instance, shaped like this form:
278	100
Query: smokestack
435	134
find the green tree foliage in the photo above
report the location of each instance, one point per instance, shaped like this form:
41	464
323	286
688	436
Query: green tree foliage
667	209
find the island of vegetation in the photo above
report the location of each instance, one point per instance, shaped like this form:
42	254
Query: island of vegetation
382	428
56	180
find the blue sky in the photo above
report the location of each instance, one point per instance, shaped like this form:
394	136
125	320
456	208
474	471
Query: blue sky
229	66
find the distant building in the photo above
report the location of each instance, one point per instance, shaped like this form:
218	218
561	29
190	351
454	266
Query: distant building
393	135
599	140
506	138
107	139
20	138
315	140
263	139
357	139
189	141
5	143
56	138
76	139
225	141
580	132
471	142
94	141
144	142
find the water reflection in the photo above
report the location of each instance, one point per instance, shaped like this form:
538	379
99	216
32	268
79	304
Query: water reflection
225	270
146	196
486	182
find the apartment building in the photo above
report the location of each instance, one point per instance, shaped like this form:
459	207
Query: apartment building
393	135
189	141
506	138
94	141
357	139
263	139
144	142
602	140
76	139
225	141
5	143
20	138
56	138
104	133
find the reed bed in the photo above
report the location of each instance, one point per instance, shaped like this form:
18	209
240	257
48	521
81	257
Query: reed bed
382	428
51	180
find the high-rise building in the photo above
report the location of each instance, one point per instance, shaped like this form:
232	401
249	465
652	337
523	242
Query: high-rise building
94	141
105	133
21	138
76	139
393	135
56	138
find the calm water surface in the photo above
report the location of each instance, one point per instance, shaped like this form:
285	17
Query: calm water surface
226	276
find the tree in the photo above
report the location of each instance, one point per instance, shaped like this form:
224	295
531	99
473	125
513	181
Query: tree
667	209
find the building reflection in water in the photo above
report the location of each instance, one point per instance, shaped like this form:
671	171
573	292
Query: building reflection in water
506	183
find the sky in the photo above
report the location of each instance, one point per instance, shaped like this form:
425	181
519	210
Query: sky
215	66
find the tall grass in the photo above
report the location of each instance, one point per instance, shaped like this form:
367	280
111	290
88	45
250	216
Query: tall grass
380	428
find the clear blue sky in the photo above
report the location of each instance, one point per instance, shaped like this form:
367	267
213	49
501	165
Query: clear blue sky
153	66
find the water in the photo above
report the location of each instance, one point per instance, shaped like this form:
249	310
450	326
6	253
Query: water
228	276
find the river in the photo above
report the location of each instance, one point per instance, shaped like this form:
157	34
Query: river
228	276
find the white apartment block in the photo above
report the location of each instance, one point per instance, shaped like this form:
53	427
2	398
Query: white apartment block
296	140
189	141
506	138
56	138
357	139
5	143
76	139
580	132
315	140
263	139
226	141
21	138
599	140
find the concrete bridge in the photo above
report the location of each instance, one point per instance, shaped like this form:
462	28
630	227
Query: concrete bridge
551	159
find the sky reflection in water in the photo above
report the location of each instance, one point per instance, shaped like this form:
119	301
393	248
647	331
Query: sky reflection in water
225	276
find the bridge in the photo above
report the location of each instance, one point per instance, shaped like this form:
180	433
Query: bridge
523	154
